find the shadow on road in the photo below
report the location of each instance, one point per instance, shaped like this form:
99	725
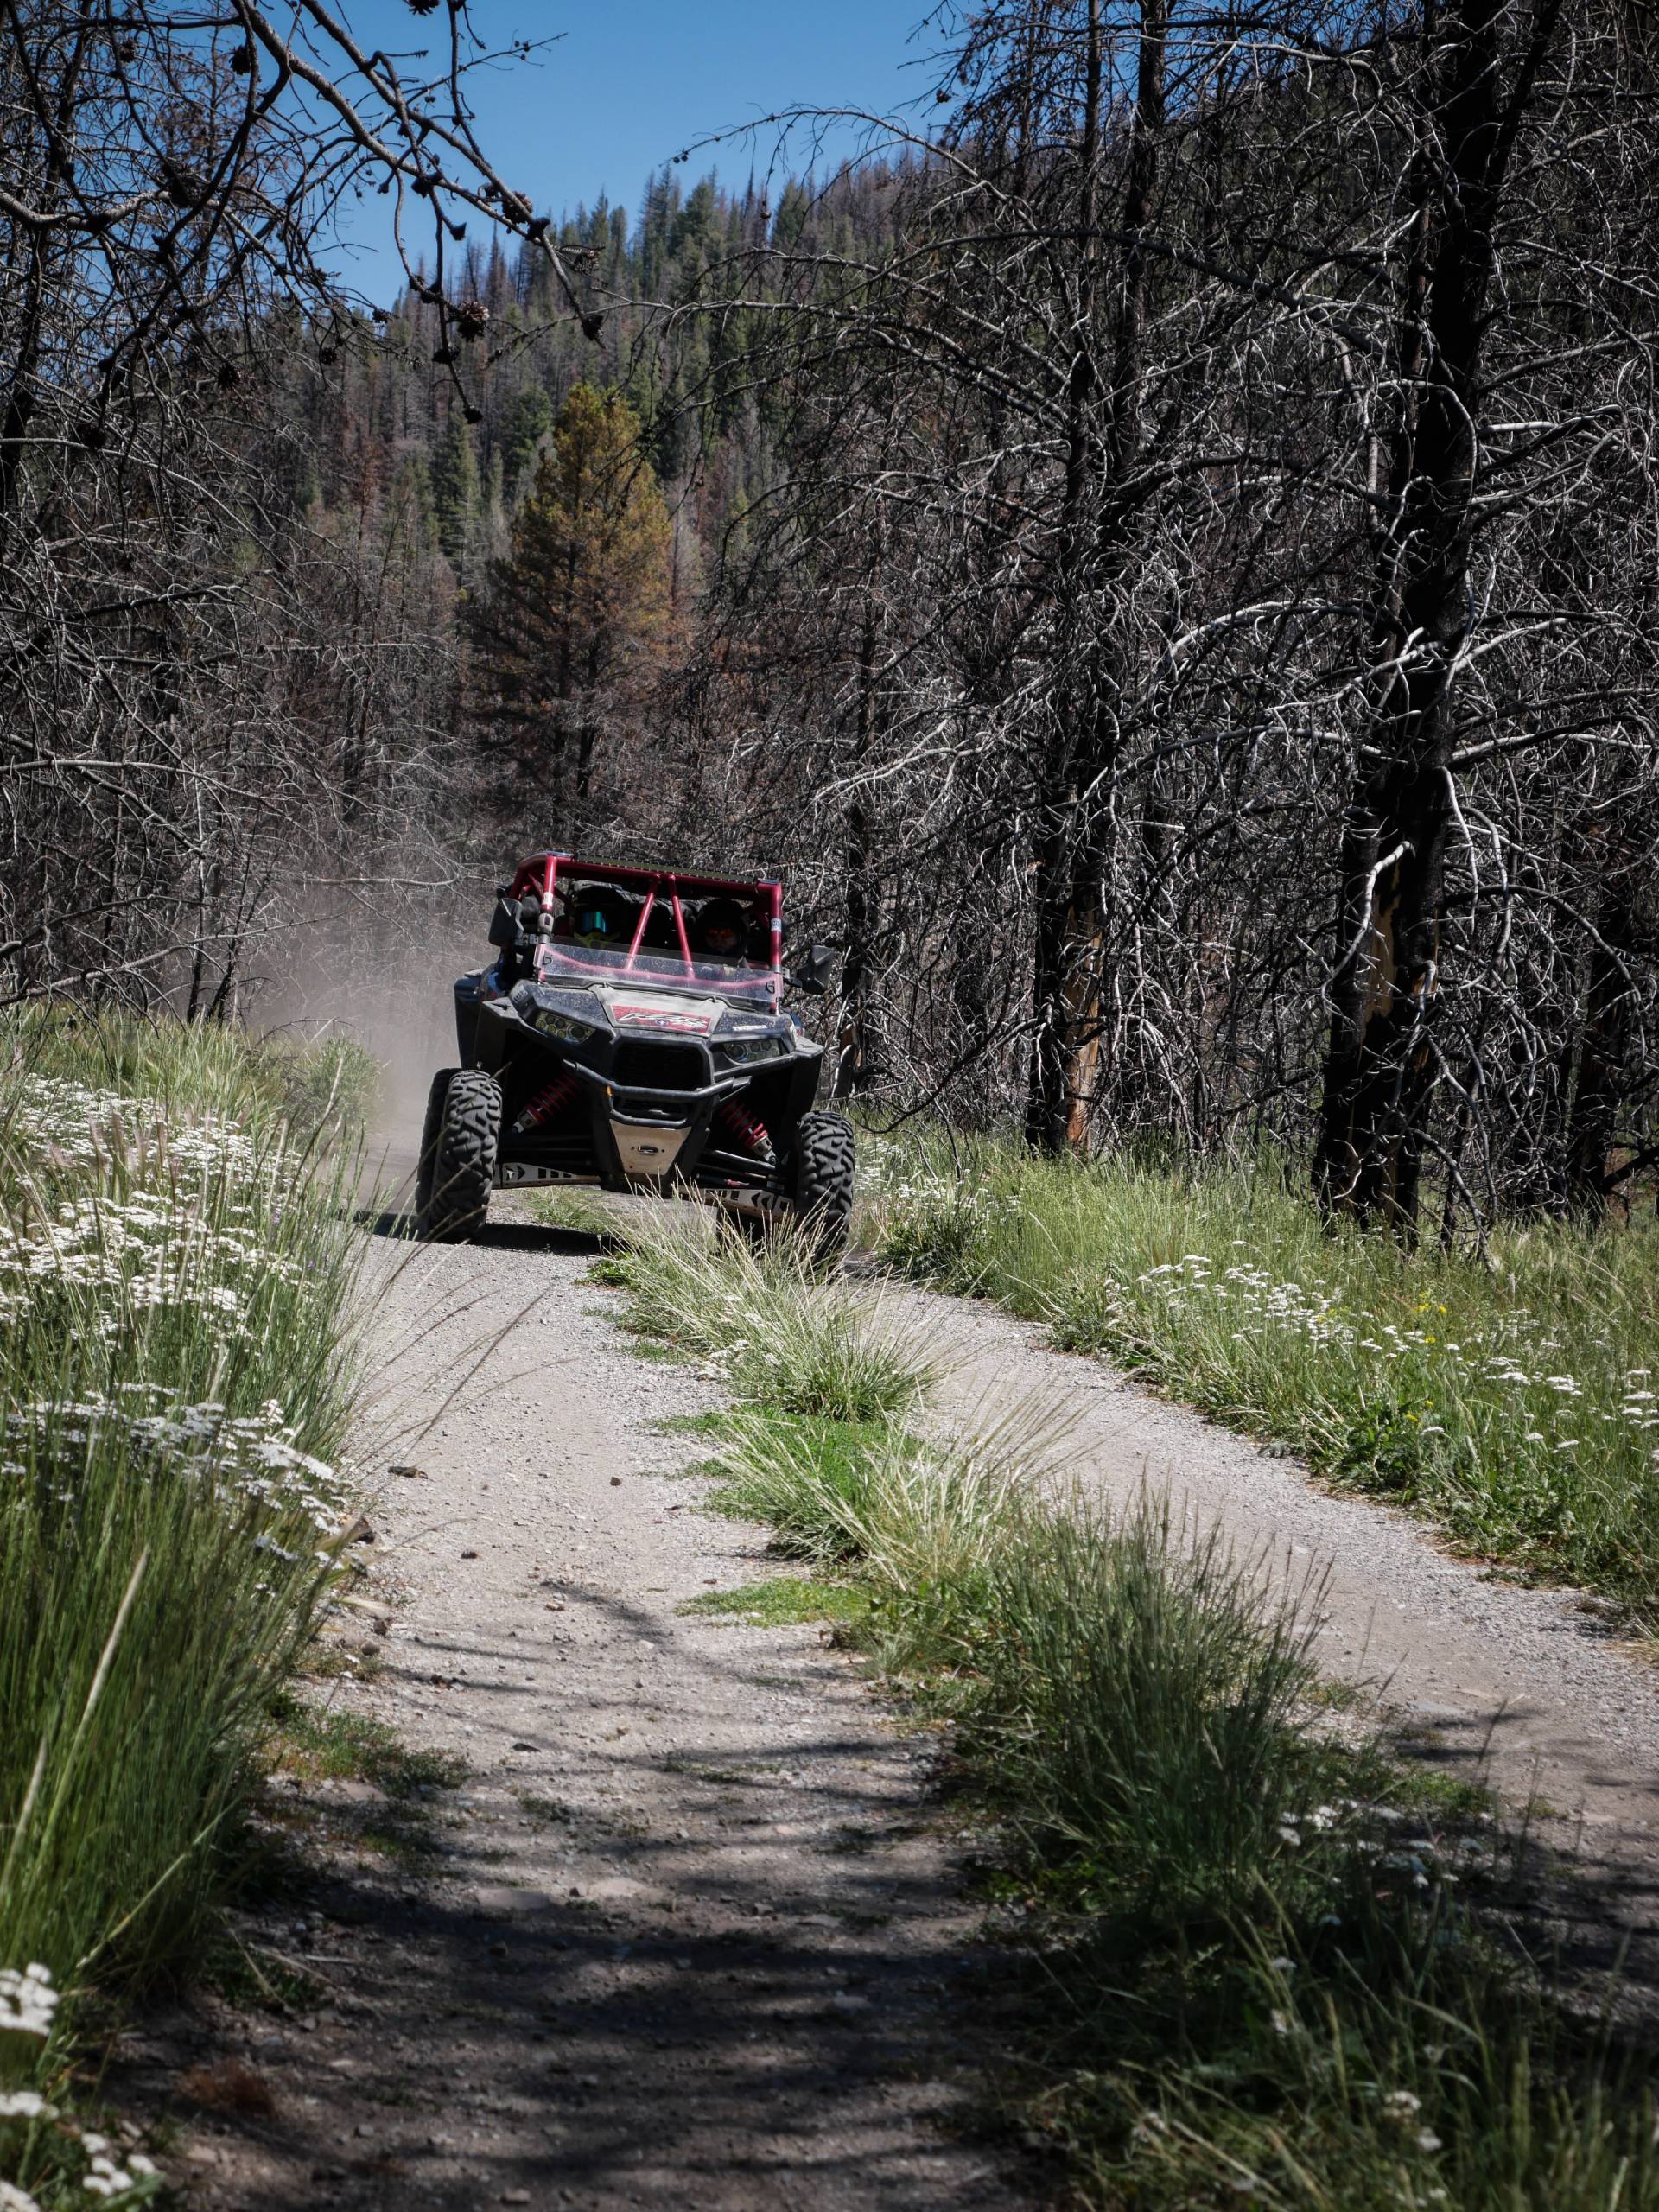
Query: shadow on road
398	1226
607	2011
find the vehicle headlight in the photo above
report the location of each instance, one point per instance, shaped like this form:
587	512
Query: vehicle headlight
742	1049
564	1027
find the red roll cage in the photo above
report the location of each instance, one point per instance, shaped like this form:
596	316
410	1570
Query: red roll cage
542	871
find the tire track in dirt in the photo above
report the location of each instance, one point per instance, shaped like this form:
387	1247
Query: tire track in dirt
695	1938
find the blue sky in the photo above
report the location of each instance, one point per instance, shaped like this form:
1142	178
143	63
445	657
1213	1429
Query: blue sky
627	86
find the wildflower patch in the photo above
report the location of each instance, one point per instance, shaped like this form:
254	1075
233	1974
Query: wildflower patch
1512	1398
175	1289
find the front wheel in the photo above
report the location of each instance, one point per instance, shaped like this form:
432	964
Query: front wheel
458	1163
820	1172
427	1159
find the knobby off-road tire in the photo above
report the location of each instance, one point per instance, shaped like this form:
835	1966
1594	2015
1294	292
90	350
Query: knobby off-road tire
821	1182
463	1155
427	1159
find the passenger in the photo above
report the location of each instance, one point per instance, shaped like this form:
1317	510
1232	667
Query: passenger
722	933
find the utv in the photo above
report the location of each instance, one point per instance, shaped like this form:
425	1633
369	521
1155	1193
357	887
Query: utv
629	1036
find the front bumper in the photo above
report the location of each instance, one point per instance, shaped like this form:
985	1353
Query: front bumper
641	1135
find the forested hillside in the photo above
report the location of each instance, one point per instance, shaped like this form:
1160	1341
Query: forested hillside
1162	554
632	463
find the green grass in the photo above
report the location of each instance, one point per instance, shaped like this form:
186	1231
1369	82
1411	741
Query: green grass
195	1068
790	1601
314	1743
753	1442
754	1315
1514	1401
581	1213
176	1364
323	1743
1265	1962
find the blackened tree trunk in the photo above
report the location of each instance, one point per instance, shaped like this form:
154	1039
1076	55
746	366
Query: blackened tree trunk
1603	1046
1073	859
853	1059
1048	1102
1379	1061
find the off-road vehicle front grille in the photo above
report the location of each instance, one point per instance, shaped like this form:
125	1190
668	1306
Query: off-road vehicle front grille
652	1065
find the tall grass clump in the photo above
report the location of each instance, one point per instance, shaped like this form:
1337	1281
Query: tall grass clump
1514	1398
175	1276
1278	1970
319	1088
755	1314
1266	1964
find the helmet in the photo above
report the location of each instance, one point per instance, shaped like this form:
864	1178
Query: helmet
722	929
599	916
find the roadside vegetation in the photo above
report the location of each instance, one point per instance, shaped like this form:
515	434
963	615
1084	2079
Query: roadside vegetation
1514	1398
176	1369
1269	1964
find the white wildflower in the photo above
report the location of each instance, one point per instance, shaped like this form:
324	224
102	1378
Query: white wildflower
28	2001
105	2179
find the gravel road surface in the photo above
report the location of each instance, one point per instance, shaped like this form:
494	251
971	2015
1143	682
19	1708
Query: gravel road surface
695	1936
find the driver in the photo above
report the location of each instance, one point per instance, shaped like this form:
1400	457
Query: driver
722	930
599	918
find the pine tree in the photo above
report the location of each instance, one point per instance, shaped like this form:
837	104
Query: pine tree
491	537
526	421
455	492
412	516
579	609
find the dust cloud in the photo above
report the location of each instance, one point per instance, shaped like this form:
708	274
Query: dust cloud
387	982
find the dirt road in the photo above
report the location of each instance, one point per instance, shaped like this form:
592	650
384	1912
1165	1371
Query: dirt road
695	1935
1532	1690
1534	1679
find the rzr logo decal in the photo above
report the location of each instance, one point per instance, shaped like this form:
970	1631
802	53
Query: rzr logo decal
639	1017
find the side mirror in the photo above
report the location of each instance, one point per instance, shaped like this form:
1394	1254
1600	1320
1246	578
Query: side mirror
814	973
504	923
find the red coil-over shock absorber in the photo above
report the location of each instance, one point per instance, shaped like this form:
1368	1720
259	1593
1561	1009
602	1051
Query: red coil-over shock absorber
545	1104
748	1134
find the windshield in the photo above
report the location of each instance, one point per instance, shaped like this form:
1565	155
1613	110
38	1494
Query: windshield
560	960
